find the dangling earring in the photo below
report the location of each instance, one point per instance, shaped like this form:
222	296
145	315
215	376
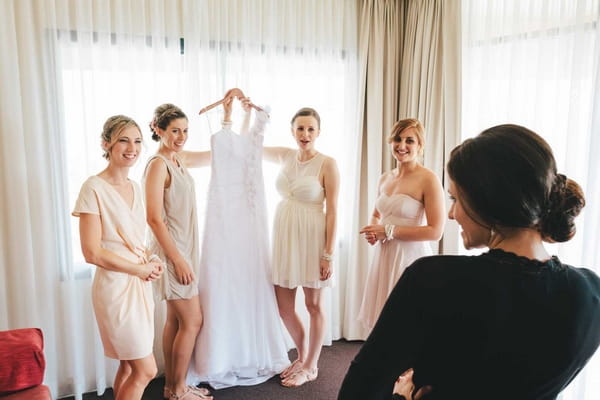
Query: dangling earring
492	235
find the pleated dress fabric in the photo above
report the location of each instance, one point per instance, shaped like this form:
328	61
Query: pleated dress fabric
299	223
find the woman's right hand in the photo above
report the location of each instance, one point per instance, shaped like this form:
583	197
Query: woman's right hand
371	238
371	232
246	104
152	270
404	386
184	273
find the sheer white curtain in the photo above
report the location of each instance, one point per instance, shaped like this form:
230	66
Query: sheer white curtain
535	63
69	65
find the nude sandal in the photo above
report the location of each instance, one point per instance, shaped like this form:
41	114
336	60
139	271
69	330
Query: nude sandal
291	369
301	377
192	392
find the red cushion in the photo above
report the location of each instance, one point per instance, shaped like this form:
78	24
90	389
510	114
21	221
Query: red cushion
22	359
40	392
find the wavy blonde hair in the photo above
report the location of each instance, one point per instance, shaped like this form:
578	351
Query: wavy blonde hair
112	129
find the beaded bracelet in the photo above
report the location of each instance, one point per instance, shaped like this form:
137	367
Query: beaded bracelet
327	257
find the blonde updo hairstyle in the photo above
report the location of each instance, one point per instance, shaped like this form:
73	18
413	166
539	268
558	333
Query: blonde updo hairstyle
404	124
163	115
112	129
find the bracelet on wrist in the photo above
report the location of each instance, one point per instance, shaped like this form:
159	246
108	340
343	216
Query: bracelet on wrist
327	257
389	232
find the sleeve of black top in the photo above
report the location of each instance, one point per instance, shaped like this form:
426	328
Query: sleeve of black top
391	347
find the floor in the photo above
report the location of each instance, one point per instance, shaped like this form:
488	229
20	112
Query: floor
333	364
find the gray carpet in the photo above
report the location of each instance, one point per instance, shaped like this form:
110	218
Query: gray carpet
333	365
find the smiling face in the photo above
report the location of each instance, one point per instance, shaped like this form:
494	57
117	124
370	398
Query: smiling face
406	146
175	135
125	149
474	234
305	130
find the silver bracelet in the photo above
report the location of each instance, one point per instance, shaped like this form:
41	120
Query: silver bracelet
389	232
327	257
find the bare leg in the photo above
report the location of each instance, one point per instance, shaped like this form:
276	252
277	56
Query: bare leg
142	372
312	298
169	332
309	371
122	374
286	303
189	319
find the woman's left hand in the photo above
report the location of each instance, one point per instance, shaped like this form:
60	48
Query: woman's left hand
373	233
405	386
325	270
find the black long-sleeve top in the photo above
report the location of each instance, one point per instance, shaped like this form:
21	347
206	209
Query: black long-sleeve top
493	326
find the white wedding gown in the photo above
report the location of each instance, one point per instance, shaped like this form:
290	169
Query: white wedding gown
242	339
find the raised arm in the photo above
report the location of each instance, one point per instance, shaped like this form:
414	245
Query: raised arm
90	234
198	159
272	154
195	159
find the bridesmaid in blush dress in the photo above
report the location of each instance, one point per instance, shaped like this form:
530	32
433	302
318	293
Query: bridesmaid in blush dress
409	211
111	228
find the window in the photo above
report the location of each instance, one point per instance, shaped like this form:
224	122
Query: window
99	79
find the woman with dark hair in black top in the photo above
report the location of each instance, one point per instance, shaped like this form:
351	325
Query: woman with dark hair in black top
511	323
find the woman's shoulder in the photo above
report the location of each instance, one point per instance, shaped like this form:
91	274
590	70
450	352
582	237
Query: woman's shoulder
444	261
427	175
157	160
583	276
92	183
328	161
454	267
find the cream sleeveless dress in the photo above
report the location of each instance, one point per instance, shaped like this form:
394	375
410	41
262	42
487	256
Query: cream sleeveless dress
392	257
299	223
180	217
123	303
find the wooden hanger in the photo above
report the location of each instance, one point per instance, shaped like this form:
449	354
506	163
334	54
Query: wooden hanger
235	92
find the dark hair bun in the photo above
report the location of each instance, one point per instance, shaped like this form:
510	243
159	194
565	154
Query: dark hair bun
565	203
163	115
